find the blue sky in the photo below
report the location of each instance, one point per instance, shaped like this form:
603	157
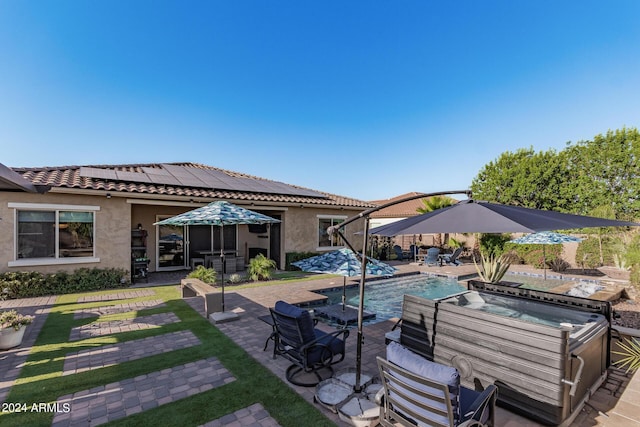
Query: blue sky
367	99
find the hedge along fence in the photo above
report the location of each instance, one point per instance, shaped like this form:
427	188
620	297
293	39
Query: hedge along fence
533	254
24	284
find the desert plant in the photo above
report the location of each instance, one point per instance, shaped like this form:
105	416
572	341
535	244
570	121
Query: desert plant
13	319
634	277
207	275
492	269
235	278
630	353
558	265
619	261
260	268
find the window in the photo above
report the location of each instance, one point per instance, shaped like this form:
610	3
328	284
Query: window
324	240
52	234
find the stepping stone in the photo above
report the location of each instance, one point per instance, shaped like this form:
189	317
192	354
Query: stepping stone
118	295
254	415
117	308
118	326
113	401
112	354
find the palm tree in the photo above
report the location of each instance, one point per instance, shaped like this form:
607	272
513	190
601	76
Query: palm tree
434	203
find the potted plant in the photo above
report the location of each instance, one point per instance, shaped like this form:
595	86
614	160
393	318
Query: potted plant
12	327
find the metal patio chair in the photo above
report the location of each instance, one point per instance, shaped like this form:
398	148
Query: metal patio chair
309	349
420	392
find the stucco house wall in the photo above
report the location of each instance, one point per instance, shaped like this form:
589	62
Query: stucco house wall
120	206
112	235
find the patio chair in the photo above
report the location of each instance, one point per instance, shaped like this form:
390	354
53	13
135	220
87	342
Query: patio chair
398	250
431	258
420	392
310	350
452	258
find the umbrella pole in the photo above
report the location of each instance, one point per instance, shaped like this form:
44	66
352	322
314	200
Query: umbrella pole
358	387
222	259
544	262
344	292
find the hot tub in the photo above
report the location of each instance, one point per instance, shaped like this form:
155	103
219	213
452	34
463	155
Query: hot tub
546	357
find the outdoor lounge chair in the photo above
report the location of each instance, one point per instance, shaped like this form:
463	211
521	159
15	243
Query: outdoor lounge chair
420	392
452	258
398	250
310	350
431	258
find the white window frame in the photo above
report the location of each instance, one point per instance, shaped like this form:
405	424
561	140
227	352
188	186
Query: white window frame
26	262
331	217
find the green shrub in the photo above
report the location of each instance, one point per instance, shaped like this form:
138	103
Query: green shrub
493	244
207	275
291	257
634	277
588	252
260	268
531	253
535	258
27	284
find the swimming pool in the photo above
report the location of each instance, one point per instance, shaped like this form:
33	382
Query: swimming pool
384	297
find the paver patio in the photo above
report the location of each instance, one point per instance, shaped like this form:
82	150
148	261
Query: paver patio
612	405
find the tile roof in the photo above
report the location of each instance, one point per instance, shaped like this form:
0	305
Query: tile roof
401	210
70	177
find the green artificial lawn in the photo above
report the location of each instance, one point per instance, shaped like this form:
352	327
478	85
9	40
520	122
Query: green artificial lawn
41	379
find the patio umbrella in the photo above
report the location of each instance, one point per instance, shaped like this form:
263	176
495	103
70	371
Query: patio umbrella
471	216
345	263
545	238
219	213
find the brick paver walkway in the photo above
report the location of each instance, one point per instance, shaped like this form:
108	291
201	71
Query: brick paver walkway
117	295
11	361
118	308
113	354
117	326
252	416
124	398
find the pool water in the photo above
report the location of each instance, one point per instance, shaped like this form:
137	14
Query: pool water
535	282
384	297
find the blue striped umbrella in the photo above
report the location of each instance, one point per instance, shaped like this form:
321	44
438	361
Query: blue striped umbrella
345	263
219	213
545	238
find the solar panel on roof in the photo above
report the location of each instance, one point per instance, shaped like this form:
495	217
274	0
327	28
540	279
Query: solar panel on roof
90	172
196	177
155	171
132	176
164	180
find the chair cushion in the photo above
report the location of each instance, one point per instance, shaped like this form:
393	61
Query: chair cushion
336	346
304	319
414	363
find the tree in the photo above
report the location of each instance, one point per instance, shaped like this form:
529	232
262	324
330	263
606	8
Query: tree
606	171
578	179
525	178
434	203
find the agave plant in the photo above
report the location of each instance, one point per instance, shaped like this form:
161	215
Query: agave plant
631	354
492	269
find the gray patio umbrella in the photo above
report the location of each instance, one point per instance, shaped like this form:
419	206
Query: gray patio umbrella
219	213
344	262
471	216
545	238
